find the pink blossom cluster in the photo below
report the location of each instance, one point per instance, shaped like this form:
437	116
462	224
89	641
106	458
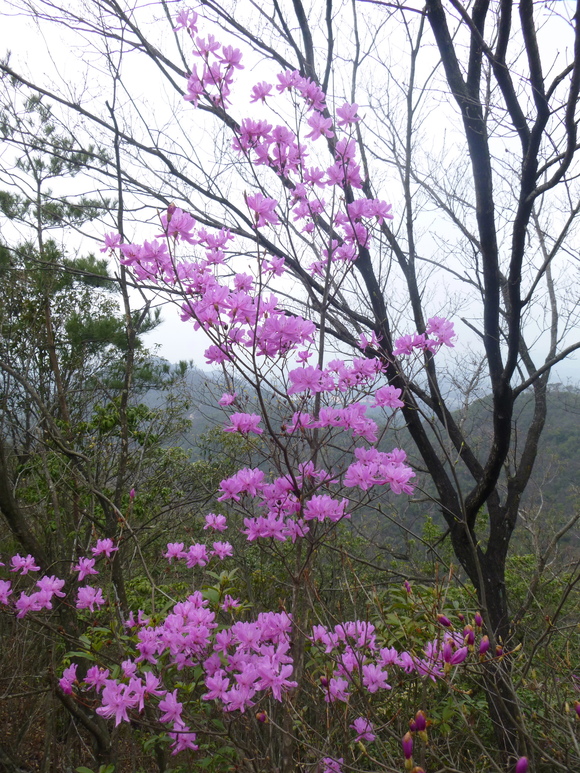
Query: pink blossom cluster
49	587
278	147
439	332
240	663
197	554
216	74
360	662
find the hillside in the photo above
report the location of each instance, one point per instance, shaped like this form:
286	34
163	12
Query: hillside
556	476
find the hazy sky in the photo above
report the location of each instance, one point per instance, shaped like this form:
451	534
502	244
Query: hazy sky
49	49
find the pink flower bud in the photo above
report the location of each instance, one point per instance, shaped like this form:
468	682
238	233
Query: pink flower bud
522	765
407	744
483	645
478	620
444	621
577	708
132	494
461	618
261	716
324	681
420	721
407	586
468	635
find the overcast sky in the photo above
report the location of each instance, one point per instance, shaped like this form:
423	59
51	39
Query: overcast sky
42	50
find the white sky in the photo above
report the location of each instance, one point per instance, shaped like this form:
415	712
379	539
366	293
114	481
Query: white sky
47	50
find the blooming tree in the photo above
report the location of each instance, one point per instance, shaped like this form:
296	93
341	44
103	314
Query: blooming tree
306	262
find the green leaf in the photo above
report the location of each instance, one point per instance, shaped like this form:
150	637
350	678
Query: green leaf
86	655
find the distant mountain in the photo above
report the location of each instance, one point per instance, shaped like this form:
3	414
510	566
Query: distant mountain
555	484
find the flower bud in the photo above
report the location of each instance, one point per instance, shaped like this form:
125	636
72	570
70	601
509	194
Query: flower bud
468	636
132	494
577	708
522	765
261	716
483	645
407	744
420	721
461	618
444	621
478	620
324	681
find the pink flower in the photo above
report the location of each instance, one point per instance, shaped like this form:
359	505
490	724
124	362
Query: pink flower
218	684
88	598
69	676
5	591
229	603
245	423
287	80
174	550
374	678
104	546
330	765
206	47
112	242
32	603
85	567
223	550
197	555
322	506
337	690
244	481
52	586
183	738
260	91
388	396
265	209
227	399
309	378
319	126
23	565
453	656
178	224
96	677
215	522
347	114
186	19
232	57
171	708
364	730
116	700
442	329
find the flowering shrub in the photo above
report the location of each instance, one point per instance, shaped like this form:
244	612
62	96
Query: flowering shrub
198	652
